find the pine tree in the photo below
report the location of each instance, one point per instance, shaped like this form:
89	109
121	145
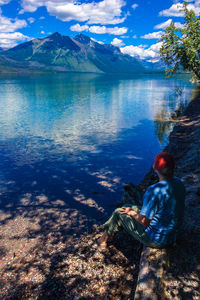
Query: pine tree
181	46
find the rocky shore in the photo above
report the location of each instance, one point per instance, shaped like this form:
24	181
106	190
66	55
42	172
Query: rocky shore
39	261
182	278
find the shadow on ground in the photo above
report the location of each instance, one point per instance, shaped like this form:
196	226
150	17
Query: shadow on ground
48	241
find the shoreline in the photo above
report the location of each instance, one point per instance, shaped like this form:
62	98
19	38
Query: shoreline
180	278
46	263
181	140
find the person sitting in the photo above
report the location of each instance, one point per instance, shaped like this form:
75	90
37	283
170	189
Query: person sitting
157	223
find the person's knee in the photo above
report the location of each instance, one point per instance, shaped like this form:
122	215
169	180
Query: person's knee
118	215
136	208
117	211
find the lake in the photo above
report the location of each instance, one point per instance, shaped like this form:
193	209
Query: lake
78	138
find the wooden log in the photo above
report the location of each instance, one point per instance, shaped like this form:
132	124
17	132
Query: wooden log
153	264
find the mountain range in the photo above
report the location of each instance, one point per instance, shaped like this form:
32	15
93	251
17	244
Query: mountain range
63	53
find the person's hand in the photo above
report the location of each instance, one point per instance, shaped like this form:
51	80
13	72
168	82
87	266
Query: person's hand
128	211
125	210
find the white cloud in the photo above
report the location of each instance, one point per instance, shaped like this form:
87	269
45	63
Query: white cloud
31	20
79	28
141	51
103	12
163	25
31	5
2	2
99	29
153	60
8	40
153	35
103	30
117	42
10	25
135	51
176	10
134	36
179	25
8	36
42	32
134	6
156	47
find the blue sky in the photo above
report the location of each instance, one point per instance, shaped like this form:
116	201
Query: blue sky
135	26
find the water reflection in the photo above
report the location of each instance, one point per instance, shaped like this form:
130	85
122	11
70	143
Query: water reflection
86	132
169	111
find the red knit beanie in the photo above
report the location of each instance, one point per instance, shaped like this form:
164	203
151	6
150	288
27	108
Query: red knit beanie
164	160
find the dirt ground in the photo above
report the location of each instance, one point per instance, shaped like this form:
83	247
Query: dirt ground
43	265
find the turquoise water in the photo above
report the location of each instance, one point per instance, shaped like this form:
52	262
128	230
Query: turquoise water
80	137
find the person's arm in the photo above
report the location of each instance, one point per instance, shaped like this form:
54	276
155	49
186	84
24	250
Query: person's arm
138	217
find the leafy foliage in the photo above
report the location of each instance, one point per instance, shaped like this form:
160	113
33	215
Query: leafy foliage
181	46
